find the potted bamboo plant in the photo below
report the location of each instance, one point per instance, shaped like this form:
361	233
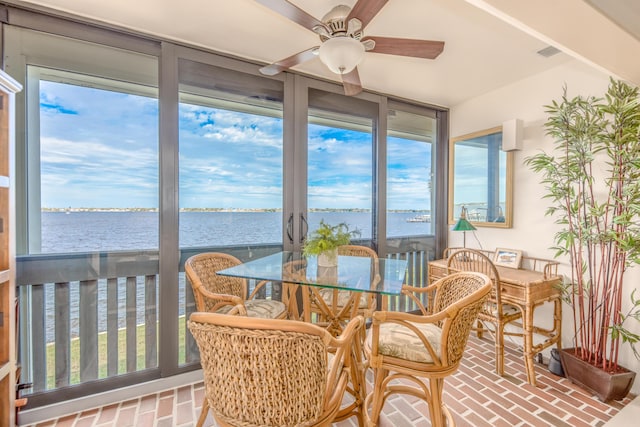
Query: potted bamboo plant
324	242
592	178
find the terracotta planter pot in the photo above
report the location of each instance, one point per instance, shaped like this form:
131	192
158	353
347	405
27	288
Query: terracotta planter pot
604	385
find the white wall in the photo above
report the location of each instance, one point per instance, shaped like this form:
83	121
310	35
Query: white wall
532	231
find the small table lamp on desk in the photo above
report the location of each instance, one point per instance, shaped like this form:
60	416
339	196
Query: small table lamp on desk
463	225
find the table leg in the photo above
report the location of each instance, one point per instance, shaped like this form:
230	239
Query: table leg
333	315
358	386
553	335
527	324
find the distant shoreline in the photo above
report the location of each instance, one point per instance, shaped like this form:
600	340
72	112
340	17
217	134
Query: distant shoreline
217	210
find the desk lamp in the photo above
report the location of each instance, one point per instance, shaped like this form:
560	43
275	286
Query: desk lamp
463	225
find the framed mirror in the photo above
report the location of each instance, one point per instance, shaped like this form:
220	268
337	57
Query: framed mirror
480	179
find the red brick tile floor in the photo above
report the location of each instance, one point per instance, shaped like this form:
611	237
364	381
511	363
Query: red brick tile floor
475	395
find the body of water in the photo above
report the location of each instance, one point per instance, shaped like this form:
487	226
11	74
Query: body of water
105	231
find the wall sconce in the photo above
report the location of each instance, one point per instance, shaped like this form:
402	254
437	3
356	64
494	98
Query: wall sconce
512	135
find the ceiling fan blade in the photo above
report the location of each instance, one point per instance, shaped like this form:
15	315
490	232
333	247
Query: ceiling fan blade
351	83
292	12
365	10
293	60
427	49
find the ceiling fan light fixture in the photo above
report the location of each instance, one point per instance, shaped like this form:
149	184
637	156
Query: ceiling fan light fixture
341	54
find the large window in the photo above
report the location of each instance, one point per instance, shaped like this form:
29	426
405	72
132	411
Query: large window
231	159
88	210
121	176
230	169
410	138
98	151
340	171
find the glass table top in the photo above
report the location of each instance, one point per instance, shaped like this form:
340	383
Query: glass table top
384	276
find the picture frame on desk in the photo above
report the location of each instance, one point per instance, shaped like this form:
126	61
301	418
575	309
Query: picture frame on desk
507	257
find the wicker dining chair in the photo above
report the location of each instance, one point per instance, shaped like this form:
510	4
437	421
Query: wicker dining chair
337	299
223	294
300	300
495	314
271	372
408	347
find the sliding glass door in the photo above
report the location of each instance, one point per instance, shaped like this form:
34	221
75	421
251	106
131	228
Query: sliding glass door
411	208
340	163
230	170
230	159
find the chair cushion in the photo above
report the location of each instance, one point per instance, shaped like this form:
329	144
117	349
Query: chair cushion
343	298
261	308
399	341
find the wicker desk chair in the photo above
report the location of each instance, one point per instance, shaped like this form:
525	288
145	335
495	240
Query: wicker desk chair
270	372
495	314
406	347
226	295
338	300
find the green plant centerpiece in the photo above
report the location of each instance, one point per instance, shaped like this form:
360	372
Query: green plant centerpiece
324	242
592	178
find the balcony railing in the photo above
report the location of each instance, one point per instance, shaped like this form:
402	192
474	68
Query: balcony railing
89	321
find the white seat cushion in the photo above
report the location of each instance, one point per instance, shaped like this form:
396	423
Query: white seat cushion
261	308
399	341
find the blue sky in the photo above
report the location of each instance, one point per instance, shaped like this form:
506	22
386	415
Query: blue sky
100	149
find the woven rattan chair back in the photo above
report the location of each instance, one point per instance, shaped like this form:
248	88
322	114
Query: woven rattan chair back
357	250
363	251
266	372
201	271
464	293
405	348
494	311
472	260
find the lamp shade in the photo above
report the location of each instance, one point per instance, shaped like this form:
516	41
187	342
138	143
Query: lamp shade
463	225
341	54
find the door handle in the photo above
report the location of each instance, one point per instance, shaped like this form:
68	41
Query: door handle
290	228
303	233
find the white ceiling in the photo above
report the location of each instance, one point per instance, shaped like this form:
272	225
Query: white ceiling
483	51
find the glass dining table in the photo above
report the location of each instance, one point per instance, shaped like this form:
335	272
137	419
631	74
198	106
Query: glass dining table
352	273
303	282
357	275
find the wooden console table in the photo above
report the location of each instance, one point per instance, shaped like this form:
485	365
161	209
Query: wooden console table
526	289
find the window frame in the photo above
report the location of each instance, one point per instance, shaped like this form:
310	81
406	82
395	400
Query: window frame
508	178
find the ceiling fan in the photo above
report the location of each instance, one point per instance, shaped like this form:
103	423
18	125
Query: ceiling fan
343	43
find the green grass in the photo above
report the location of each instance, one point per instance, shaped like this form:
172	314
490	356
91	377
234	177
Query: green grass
103	351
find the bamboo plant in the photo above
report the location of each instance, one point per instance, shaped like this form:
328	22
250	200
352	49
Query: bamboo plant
592	178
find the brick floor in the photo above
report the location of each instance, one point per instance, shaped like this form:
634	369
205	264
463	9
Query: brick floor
475	395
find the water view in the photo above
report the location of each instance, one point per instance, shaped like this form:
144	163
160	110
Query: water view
74	231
